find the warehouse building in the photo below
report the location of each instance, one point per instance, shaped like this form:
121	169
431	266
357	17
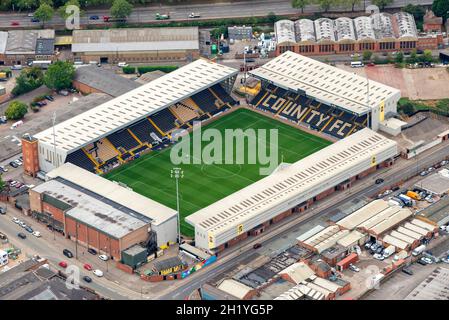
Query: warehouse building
101	214
20	47
136	45
436	183
324	91
89	79
236	289
378	32
291	190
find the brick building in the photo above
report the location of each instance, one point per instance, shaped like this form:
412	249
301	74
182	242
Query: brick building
432	23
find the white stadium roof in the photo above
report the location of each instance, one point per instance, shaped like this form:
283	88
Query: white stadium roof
324	82
294	183
135	105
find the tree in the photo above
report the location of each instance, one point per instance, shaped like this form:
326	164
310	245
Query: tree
325	4
300	4
121	9
2	184
29	79
59	75
407	108
367	55
272	17
26	4
62	10
44	13
417	11
427	56
350	3
441	8
382	3
399	57
16	110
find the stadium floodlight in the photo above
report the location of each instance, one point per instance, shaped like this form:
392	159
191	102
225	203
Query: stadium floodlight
177	173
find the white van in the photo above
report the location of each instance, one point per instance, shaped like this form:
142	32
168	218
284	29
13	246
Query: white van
418	250
357	64
16	124
122	64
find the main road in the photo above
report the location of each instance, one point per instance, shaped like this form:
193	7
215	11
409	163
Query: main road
402	170
207	11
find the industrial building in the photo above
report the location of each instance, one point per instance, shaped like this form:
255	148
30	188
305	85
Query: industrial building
329	91
89	79
436	183
378	32
291	190
20	47
136	45
240	33
100	214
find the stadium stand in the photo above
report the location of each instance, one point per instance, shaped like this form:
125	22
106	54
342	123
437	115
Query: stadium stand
81	159
164	120
222	94
184	112
206	101
104	151
123	139
143	129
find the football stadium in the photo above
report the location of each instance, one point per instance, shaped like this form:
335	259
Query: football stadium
327	121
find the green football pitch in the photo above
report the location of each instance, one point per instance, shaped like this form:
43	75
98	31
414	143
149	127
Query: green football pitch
204	184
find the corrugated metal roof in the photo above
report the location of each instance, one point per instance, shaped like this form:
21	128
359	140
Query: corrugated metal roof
310	233
298	272
363	214
350	239
424	225
395	242
235	288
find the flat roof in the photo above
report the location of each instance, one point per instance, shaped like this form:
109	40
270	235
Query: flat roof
436	183
128	40
157	212
434	287
135	105
324	82
298	272
24	41
235	288
437	211
104	80
294	182
90	210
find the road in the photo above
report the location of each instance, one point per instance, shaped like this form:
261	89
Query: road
400	171
50	249
207	11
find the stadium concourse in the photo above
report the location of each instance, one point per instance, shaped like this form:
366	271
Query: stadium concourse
331	103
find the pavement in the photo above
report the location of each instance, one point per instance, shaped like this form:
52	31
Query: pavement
208	11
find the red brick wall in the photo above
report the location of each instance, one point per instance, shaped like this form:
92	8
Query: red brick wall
30	157
57	214
84	88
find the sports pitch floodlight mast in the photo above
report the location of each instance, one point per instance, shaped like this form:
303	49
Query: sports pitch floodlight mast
177	173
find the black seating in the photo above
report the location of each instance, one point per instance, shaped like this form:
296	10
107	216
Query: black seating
259	96
123	139
80	159
164	120
222	94
205	100
143	129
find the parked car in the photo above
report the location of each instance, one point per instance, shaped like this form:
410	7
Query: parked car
445	260
22	224
426	260
63	264
50	98
2	210
15	220
380	250
379	181
37	234
354	268
92	251
122	64
22	235
3	169
13	164
98	273
87	279
103	257
378	256
368	245
423	173
374	246
63	93
29	229
87	266
407	271
395	188
257	246
67	253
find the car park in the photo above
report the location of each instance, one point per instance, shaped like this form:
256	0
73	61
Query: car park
67	253
92	251
98	273
103	257
22	235
63	264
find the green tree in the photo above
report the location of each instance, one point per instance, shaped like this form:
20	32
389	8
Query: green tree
399	57
350	3
121	9
29	79
300	4
382	3
16	110
417	11
272	17
441	8
62	9
25	4
59	75
44	13
2	184
427	56
325	5
407	108
367	55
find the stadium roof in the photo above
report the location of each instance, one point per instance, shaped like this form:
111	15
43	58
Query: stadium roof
127	40
324	82
113	191
293	182
135	105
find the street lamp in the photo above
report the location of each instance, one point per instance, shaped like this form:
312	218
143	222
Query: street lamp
177	173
